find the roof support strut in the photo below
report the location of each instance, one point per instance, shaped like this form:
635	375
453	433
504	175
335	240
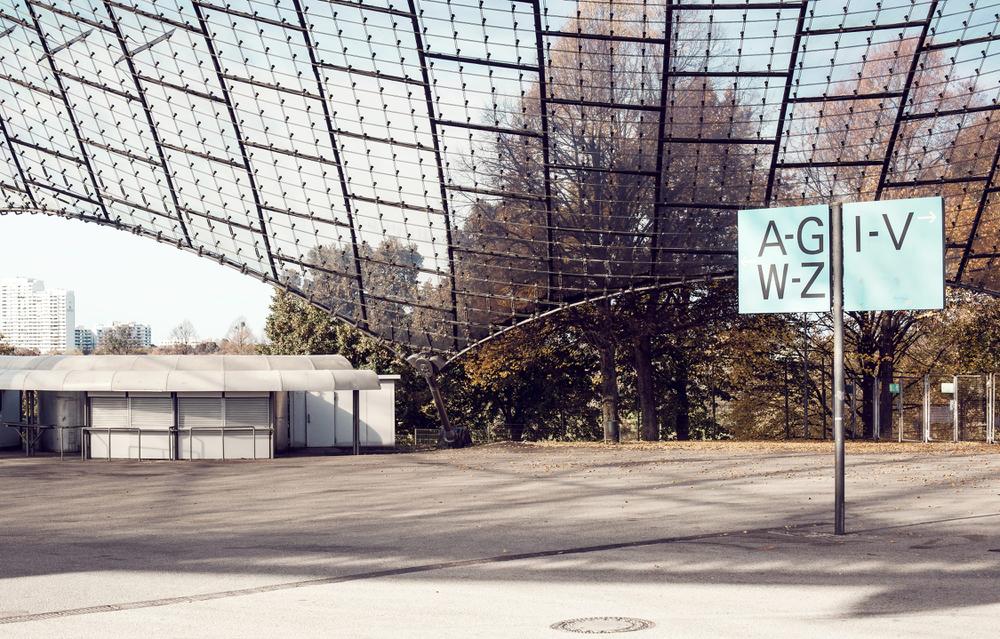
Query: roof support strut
890	146
234	121
793	60
69	110
344	189
661	135
983	199
418	40
149	121
543	110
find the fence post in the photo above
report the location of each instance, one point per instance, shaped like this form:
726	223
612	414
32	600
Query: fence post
899	402
926	426
989	408
876	411
854	409
954	405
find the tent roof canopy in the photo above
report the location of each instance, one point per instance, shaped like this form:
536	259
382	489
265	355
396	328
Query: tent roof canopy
184	373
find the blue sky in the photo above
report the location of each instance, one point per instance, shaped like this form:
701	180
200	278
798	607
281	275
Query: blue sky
118	276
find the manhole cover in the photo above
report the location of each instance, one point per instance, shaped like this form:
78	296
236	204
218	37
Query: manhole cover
603	625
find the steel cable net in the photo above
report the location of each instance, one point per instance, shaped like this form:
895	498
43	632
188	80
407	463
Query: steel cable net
437	171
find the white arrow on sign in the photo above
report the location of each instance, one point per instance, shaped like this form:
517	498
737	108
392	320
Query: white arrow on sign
930	217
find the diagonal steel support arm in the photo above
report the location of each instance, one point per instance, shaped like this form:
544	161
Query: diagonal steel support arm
783	112
69	110
344	189
234	121
429	367
418	40
918	51
984	198
543	111
17	163
149	121
661	136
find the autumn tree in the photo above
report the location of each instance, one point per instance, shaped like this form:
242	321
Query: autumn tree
6	348
239	339
118	339
537	379
594	224
183	337
833	143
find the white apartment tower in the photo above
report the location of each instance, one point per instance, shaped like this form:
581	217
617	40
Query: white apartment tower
33	317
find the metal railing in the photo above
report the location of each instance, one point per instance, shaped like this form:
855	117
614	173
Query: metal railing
86	447
173	438
30	435
222	436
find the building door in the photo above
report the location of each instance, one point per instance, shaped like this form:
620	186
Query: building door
321	419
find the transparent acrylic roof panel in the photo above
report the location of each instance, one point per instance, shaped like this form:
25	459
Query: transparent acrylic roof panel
437	171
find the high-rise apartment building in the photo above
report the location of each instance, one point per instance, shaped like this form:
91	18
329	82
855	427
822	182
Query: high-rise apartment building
36	318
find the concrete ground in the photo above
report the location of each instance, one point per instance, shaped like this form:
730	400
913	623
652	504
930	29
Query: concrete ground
711	540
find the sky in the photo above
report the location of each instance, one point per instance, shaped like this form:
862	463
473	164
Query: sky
121	277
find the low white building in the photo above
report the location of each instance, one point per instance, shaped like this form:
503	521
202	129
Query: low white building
194	406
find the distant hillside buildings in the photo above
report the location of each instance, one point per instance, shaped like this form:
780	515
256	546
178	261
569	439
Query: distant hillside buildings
140	336
85	340
32	317
44	320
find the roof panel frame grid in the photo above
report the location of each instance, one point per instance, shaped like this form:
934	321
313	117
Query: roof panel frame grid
445	130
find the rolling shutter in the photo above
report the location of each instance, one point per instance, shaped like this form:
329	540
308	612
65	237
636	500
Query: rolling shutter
108	412
155	413
199	412
248	412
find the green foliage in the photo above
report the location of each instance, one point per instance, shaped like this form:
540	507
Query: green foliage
294	327
535	382
973	327
118	340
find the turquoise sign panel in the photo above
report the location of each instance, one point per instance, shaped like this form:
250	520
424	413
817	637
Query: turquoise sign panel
784	260
894	255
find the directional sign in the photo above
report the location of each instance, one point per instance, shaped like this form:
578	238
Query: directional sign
784	260
894	255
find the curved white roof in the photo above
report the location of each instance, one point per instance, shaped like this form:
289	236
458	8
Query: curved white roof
183	373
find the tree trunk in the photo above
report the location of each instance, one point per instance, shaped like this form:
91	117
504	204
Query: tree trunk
516	431
682	405
886	371
609	392
642	349
868	405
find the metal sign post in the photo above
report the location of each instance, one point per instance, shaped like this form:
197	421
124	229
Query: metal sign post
837	259
895	262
